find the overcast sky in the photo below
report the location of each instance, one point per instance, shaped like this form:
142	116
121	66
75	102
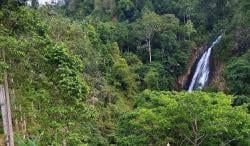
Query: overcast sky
44	1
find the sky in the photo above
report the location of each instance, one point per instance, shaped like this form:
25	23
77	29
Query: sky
44	1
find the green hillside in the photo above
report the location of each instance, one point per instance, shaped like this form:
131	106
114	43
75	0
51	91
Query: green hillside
105	72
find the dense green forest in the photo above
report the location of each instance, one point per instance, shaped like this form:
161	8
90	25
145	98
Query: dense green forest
105	72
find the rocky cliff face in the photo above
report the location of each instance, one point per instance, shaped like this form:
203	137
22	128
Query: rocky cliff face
216	80
183	79
239	40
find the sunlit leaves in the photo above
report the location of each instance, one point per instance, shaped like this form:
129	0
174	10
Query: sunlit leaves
66	72
184	118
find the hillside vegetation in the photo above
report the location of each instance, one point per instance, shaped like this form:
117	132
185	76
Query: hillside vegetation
104	72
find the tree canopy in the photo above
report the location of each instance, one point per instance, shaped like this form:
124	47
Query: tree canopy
196	118
108	72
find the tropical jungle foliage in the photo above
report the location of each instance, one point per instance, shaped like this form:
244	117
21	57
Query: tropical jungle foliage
105	72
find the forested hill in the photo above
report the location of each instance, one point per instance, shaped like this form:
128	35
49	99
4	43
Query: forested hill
106	72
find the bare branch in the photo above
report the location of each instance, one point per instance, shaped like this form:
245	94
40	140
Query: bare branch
189	139
204	137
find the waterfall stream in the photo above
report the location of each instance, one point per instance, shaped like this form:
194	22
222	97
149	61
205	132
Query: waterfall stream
202	70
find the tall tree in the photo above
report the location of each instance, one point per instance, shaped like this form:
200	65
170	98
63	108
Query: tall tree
34	3
147	27
186	8
189	27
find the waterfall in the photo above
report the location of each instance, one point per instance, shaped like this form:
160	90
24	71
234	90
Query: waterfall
201	74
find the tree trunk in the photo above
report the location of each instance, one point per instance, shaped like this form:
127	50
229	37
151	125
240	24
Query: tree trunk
149	50
8	108
162	54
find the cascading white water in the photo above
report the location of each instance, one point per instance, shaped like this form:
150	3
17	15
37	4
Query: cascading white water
201	74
